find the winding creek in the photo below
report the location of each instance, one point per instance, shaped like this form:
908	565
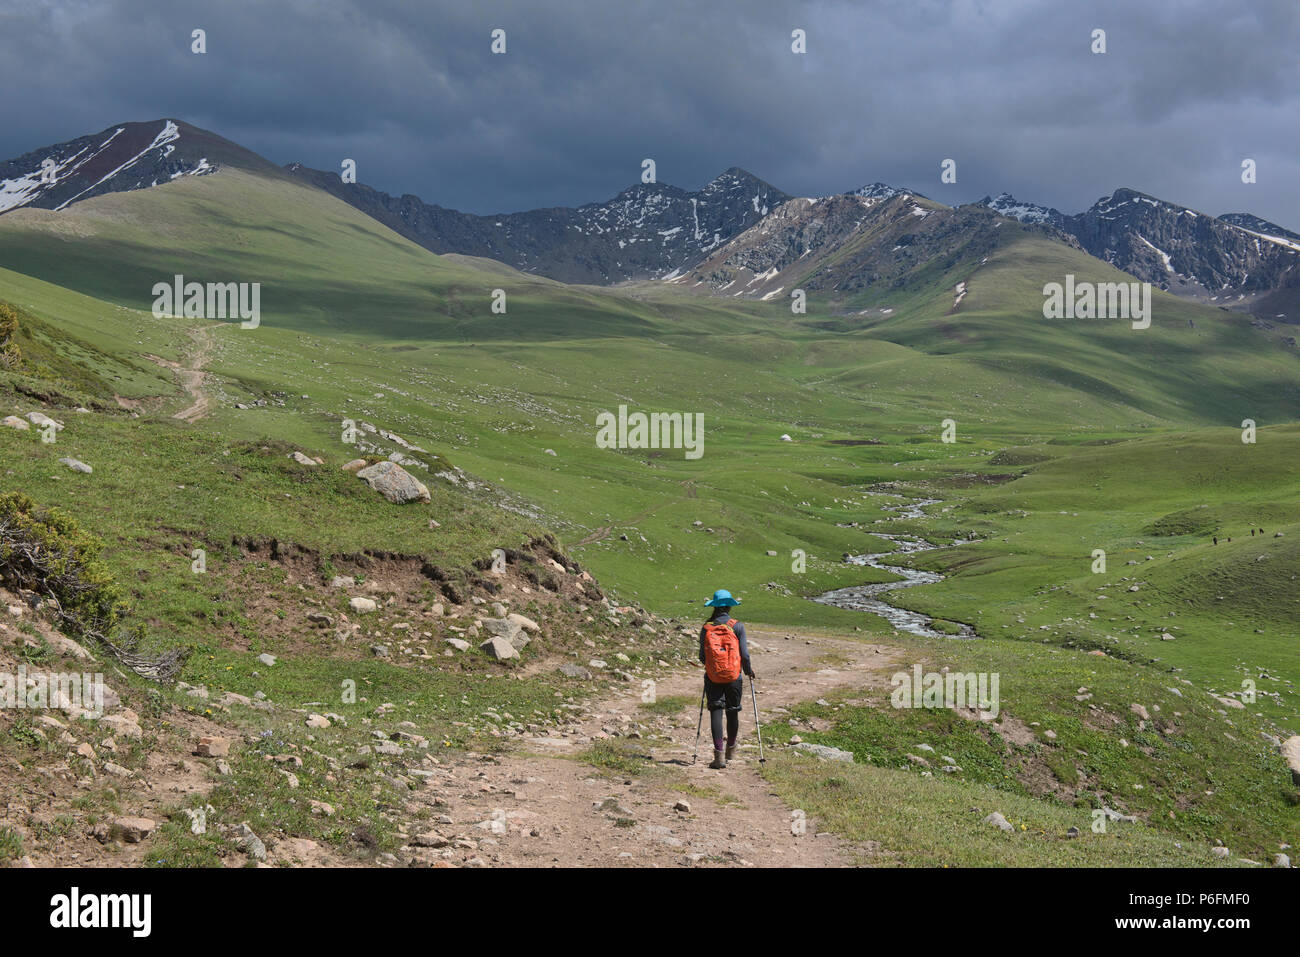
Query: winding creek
866	597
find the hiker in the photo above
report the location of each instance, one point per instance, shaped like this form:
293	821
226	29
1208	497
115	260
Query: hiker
1216	539
725	655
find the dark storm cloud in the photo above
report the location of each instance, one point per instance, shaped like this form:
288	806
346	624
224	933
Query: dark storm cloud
886	91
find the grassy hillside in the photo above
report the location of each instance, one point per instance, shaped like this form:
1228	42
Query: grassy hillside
1071	436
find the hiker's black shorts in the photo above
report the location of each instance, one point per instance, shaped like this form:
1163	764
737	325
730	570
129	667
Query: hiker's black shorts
724	696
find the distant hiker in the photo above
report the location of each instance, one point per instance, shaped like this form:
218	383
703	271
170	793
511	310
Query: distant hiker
1252	533
1216	539
725	655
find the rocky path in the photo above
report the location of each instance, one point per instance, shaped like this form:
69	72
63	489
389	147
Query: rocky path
542	805
191	375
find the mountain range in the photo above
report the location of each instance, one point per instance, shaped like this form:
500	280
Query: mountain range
737	236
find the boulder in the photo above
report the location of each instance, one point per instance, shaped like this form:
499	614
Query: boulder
134	829
394	483
362	606
499	648
76	465
354	466
121	724
998	821
302	459
40	419
213	747
1291	753
250	843
503	628
525	623
825	752
16	423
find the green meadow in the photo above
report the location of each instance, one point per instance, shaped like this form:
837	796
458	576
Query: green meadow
1070	437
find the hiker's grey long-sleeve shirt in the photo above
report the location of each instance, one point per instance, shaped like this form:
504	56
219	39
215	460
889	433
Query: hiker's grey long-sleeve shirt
723	615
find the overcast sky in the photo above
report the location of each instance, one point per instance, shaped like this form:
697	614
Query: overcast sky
588	88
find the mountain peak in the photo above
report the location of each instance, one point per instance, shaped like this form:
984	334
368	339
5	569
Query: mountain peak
127	156
883	191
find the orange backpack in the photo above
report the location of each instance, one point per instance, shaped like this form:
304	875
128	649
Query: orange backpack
721	652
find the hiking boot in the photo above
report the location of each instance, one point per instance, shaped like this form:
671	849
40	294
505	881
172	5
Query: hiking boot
731	751
719	760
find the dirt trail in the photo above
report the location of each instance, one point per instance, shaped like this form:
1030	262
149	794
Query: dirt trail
191	374
553	808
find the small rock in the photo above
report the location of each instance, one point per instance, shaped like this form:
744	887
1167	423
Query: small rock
825	752
213	747
250	843
134	829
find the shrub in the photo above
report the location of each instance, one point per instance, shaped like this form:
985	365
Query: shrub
9	354
47	552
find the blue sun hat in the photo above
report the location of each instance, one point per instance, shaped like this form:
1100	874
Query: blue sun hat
722	599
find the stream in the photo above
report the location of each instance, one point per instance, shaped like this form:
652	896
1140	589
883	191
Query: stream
865	597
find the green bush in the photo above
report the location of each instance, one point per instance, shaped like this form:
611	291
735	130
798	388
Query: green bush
9	354
47	552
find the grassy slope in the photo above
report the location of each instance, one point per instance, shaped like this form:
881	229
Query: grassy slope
369	326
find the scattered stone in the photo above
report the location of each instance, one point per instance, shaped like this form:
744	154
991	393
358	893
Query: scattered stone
394	483
123	724
40	419
1291	754
213	747
250	843
683	806
302	459
460	644
1281	860
362	606
134	829
998	821
16	423
266	659
499	648
825	752
527	624
354	466
1140	711
1220	852
317	721
76	465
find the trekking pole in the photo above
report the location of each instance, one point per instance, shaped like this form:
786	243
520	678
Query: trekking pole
698	727
757	729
